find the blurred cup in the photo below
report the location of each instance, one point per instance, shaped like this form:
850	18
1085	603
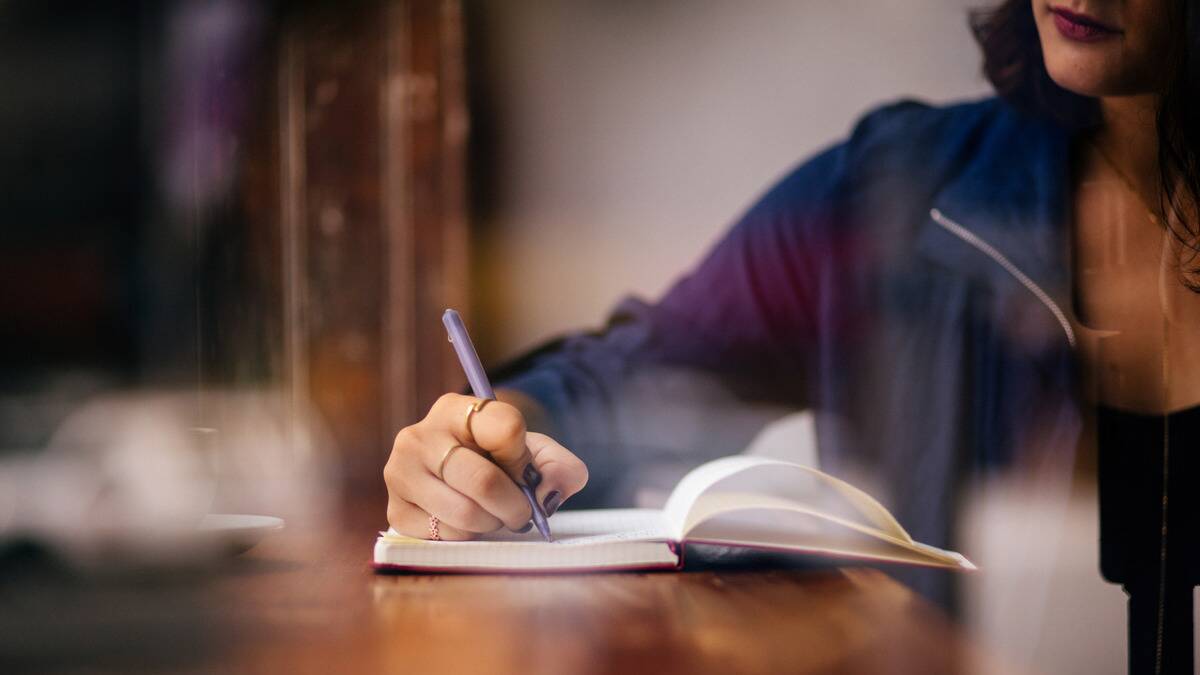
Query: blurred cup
127	478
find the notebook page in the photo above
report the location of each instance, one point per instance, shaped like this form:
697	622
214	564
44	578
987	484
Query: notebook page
571	528
697	481
760	475
775	522
583	539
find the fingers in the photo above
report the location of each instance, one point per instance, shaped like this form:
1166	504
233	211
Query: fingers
412	521
409	479
473	475
563	474
471	492
477	496
496	427
451	506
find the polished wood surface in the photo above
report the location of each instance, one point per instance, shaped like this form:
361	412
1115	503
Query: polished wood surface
306	600
322	609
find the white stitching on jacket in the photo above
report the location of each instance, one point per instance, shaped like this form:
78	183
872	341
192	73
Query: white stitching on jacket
974	240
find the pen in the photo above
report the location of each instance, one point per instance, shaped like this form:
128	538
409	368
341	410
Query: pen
465	349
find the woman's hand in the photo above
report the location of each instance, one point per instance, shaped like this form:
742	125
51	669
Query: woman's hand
476	490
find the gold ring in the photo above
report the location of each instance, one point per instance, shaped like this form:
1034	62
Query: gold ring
471	410
445	456
435	534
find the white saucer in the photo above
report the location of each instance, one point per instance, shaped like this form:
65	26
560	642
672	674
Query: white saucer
238	532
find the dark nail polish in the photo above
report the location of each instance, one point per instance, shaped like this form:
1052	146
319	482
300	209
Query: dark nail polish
539	516
552	501
523	530
532	476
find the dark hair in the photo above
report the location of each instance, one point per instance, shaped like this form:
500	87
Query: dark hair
1013	63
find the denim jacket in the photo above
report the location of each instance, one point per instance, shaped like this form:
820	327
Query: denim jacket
910	285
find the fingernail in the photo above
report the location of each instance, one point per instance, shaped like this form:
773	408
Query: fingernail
523	530
552	501
539	516
532	476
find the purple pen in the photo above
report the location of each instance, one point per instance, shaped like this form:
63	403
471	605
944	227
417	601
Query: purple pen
465	349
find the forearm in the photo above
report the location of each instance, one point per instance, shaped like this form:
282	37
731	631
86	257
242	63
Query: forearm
631	414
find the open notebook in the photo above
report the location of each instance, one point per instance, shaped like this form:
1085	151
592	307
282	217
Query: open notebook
739	501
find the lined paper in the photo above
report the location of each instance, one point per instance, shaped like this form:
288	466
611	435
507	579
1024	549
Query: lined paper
593	539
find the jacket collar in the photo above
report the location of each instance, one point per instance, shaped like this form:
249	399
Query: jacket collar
1013	192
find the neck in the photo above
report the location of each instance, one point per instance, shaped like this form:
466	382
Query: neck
1129	138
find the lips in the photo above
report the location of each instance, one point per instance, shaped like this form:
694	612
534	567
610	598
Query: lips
1081	27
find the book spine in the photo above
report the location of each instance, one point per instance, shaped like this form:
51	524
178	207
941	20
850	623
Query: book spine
677	548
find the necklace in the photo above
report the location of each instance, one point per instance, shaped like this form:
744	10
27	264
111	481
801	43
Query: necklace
1165	363
1152	214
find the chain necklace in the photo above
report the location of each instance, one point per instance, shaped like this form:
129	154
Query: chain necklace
1156	220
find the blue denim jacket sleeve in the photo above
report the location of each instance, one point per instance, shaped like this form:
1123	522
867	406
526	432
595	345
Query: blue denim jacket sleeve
727	348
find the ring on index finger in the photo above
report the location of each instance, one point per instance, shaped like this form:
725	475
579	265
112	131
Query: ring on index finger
445	457
471	410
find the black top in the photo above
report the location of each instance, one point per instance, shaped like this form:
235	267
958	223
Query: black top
1158	567
1130	447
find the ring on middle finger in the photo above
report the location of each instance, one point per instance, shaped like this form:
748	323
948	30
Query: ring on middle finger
471	410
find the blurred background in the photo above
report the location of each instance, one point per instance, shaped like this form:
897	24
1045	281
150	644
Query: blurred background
230	228
615	144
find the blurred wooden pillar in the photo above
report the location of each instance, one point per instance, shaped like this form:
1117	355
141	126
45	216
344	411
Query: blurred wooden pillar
372	131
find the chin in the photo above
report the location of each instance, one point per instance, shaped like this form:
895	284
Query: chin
1084	81
1093	75
1102	66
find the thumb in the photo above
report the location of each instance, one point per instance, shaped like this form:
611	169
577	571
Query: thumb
563	474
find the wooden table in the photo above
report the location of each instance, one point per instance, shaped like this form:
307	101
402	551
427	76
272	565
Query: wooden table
307	601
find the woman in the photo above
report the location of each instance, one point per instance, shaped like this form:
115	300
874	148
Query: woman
936	287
